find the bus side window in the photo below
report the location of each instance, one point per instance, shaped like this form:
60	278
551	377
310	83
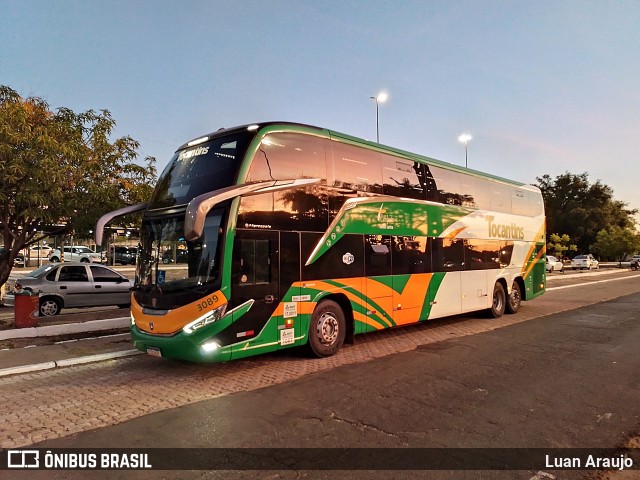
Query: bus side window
520	203
255	262
377	255
410	255
448	184
500	198
356	169
447	254
403	178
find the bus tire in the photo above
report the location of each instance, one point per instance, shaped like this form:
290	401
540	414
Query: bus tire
498	302
327	329
515	299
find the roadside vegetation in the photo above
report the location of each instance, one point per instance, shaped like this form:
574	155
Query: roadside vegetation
61	171
584	217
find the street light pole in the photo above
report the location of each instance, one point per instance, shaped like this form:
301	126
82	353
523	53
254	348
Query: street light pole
464	138
380	98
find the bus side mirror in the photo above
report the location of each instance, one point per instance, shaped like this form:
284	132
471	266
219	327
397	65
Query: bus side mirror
107	217
199	207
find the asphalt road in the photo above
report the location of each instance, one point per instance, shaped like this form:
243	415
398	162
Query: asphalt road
570	379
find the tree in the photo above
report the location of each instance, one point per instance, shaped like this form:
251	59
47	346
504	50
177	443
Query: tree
615	243
61	168
580	209
559	245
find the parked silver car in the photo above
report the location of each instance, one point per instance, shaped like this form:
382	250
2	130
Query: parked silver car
74	284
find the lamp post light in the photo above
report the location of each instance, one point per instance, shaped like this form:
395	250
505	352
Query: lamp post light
380	98
464	138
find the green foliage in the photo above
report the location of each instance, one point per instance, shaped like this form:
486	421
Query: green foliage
560	245
615	243
61	167
581	209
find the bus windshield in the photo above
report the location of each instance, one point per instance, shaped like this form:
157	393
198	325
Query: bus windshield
172	271
201	168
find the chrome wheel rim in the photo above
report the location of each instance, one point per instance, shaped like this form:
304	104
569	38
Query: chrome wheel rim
514	298
48	308
328	328
497	301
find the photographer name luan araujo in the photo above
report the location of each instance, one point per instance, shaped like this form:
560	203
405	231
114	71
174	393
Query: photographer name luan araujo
592	461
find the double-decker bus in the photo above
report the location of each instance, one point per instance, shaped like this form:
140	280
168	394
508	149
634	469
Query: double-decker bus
271	236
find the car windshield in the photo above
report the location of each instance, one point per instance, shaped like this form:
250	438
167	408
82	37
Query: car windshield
172	271
580	257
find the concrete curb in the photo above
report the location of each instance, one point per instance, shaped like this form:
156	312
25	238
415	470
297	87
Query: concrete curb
66	328
69	362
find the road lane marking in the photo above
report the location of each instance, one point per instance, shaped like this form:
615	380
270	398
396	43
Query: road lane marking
587	283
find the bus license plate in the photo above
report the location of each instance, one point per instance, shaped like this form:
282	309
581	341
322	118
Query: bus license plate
154	352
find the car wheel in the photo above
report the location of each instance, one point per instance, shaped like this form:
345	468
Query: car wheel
515	299
551	269
84	260
54	260
50	306
327	329
499	301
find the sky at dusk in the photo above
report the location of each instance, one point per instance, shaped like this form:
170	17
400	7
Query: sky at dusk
544	87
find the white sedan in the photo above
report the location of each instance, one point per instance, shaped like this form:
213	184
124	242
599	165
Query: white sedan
584	261
553	264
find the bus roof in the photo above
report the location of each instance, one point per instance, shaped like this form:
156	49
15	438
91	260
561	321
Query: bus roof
266	127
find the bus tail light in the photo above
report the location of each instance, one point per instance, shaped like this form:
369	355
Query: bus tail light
206	319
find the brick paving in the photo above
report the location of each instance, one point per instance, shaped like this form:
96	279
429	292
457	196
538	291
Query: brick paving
56	403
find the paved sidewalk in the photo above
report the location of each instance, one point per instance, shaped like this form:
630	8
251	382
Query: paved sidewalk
65	340
29	357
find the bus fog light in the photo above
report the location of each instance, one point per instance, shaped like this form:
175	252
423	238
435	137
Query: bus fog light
205	319
209	347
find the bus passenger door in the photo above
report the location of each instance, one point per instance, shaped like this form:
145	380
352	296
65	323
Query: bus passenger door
255	277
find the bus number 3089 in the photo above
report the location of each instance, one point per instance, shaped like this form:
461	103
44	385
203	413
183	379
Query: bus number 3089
209	302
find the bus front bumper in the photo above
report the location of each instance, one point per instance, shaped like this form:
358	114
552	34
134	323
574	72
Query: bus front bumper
180	346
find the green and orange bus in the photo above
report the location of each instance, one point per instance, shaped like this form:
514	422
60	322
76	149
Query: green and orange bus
277	235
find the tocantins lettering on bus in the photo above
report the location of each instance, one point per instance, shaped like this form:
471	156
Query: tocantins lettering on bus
193	153
500	230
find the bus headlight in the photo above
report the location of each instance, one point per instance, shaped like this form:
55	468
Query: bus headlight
133	320
205	319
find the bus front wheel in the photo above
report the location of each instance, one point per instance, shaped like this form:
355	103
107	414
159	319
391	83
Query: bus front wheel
327	329
499	301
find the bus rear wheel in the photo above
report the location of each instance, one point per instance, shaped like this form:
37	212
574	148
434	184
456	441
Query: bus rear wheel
515	298
327	329
499	302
